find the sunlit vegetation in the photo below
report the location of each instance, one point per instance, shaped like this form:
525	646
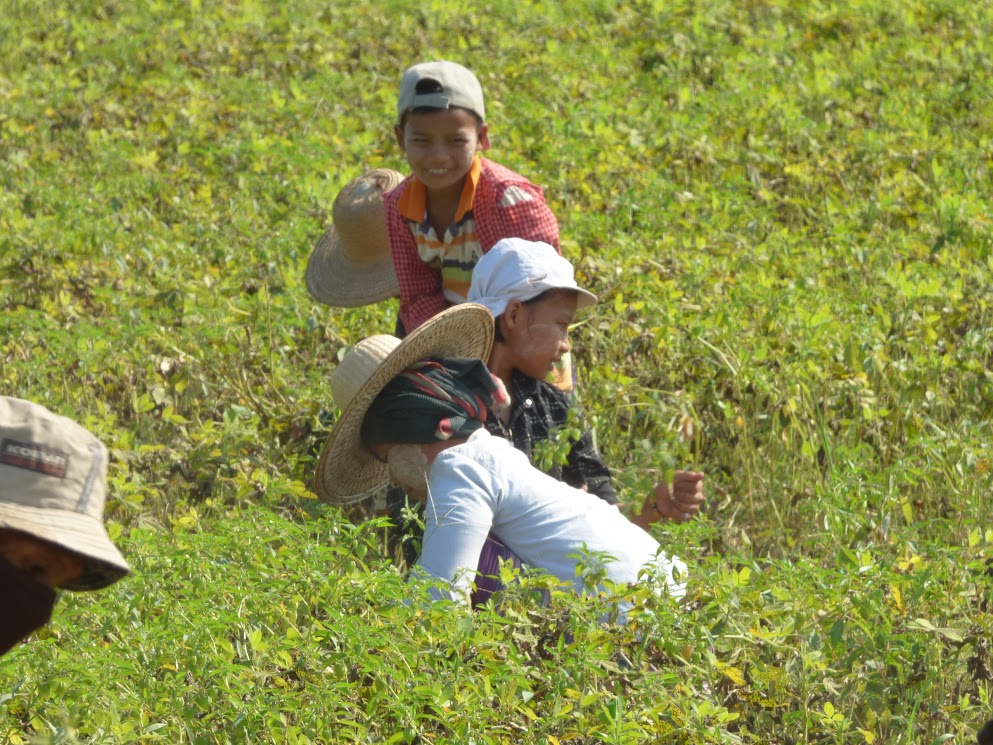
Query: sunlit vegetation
785	210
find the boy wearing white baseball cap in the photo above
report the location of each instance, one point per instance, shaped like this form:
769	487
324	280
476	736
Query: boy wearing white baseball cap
53	482
455	205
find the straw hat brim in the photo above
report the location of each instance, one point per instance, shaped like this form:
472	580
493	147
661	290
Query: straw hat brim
76	532
346	470
339	281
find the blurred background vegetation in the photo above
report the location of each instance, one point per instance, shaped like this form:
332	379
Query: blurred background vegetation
784	208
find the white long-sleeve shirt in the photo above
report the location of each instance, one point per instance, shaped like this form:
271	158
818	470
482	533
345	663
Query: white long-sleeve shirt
486	484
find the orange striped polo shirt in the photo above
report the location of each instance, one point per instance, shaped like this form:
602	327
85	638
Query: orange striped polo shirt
456	252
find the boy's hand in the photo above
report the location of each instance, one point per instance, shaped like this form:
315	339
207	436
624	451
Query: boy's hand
685	498
679	503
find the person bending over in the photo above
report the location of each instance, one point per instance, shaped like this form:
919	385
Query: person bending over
418	419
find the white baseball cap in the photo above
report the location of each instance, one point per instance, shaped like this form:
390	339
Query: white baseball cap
440	85
53	483
518	269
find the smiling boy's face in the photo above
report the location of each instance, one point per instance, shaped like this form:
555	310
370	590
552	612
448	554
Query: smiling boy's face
440	146
537	335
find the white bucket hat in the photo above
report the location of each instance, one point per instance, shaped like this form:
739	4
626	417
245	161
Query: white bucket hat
517	269
347	471
352	264
53	484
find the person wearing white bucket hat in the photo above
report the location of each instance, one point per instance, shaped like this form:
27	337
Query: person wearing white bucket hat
53	481
532	292
351	264
415	414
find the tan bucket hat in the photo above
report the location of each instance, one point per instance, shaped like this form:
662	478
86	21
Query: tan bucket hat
53	484
347	471
351	264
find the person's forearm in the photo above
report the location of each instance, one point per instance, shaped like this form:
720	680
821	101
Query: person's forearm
450	552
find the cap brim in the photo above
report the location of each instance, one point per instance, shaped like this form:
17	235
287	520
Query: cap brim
585	298
497	305
336	280
76	532
346	470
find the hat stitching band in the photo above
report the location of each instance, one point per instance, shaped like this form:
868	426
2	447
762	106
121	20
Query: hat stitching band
84	497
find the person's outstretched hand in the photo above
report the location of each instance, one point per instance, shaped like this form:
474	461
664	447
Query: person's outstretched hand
678	503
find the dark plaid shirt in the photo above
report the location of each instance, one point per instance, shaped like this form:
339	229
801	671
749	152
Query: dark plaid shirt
537	408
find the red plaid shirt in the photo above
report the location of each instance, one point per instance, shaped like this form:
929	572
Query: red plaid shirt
494	211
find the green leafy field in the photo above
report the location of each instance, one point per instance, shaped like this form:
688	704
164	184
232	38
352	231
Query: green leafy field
784	208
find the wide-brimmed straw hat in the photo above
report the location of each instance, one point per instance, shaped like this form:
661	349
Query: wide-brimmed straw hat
53	484
347	471
351	264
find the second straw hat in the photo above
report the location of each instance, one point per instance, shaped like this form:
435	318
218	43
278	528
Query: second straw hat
346	470
351	264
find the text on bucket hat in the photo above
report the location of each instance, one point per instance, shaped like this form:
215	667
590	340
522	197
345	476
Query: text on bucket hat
53	484
517	269
351	264
347	471
440	85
